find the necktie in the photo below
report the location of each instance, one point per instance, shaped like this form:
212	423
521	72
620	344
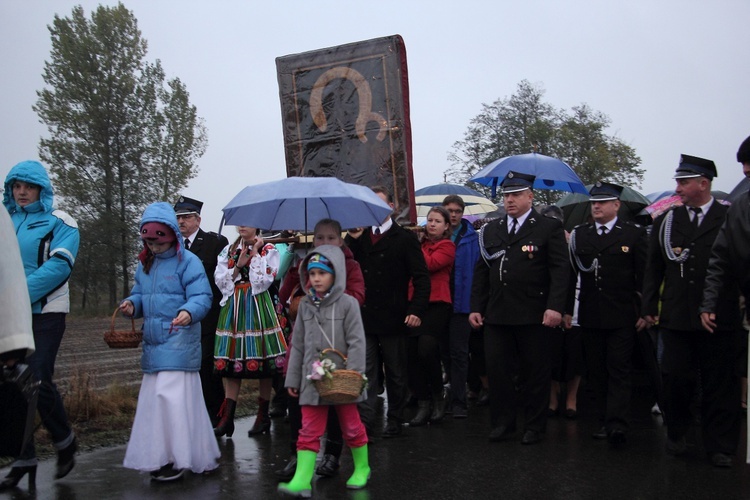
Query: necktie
187	243
696	216
602	230
513	225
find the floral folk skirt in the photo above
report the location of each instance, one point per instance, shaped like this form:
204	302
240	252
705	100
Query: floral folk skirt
250	340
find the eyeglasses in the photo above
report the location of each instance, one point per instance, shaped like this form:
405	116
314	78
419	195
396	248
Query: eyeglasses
185	216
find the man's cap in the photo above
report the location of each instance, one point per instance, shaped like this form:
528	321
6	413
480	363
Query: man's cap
692	166
187	205
605	191
517	181
743	154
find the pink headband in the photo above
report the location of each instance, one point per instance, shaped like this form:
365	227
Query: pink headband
157	232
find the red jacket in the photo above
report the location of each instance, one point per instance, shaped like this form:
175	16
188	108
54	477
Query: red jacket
439	256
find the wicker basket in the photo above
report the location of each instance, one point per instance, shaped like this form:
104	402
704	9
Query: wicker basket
120	339
345	386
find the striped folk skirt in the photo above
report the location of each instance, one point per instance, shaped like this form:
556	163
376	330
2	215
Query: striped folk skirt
250	340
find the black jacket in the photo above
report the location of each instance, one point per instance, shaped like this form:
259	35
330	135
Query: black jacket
610	293
535	271
729	265
387	267
683	283
207	247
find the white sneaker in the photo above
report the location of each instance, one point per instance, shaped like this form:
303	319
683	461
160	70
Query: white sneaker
167	473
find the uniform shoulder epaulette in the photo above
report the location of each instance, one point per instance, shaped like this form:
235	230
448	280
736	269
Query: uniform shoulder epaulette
581	225
631	223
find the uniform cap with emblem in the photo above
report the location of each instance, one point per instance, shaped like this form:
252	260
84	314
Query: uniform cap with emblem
693	166
187	205
517	181
605	191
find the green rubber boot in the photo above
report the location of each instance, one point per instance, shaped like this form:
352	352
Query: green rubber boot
300	486
361	469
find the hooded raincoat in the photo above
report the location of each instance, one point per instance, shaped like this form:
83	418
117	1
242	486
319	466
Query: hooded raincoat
334	323
48	239
176	282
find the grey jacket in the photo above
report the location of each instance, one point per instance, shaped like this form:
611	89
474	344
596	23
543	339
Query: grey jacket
338	315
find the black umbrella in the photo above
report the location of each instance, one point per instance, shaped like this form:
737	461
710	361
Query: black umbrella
740	188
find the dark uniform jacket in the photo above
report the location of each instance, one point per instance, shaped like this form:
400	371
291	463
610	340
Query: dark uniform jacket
610	293
729	265
683	283
207	247
388	266
531	277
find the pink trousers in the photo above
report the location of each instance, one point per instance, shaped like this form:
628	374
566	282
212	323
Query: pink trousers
314	425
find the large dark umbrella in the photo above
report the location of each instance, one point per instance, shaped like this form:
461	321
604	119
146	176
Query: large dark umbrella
577	207
551	173
740	188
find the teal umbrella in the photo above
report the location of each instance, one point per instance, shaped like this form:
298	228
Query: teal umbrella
576	207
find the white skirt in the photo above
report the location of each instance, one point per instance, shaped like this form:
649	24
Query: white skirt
171	425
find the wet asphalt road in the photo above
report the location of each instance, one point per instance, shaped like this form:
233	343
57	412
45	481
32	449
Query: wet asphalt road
451	460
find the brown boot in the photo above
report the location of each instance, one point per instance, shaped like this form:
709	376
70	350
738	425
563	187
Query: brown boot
262	420
225	427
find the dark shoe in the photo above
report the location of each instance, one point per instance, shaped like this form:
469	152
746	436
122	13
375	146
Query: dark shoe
167	473
329	466
676	447
600	434
460	412
551	413
16	474
438	407
287	473
225	427
66	459
262	423
616	437
531	437
721	460
392	430
501	433
277	411
422	416
571	414
484	398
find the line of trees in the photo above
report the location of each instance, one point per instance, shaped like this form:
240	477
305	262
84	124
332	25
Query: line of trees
121	135
524	122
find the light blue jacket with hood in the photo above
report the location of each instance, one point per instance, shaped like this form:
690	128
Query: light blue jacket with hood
176	282
48	239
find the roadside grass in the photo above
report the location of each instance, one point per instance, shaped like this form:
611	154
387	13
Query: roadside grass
103	418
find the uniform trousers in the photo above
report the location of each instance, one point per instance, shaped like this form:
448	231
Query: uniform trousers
394	353
609	357
714	354
524	350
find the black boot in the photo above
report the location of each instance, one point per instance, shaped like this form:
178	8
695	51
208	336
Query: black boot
287	473
16	474
225	427
438	406
423	414
66	459
262	420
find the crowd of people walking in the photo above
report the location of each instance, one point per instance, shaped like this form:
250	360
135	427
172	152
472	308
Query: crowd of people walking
518	310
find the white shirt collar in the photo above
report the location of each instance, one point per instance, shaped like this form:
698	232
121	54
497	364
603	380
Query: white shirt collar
384	227
704	208
609	225
191	237
521	219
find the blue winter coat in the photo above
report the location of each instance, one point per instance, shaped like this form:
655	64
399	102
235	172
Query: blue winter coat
467	254
48	240
176	282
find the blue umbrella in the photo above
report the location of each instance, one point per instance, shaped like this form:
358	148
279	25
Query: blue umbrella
298	203
551	173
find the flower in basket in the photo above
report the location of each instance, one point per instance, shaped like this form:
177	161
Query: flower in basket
322	368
